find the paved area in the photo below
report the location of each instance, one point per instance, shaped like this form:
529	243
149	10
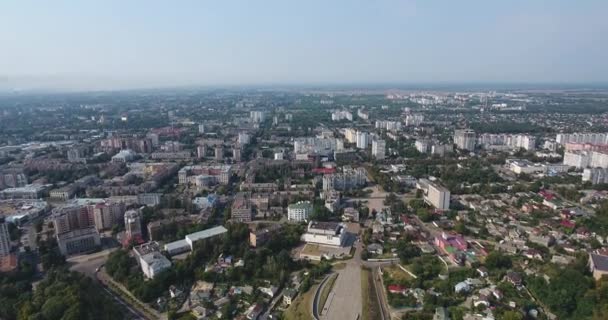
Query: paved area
345	302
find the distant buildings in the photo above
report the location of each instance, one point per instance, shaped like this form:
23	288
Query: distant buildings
388	125
149	258
124	156
592	138
348	179
414	120
378	149
205	174
507	141
299	211
323	146
30	191
341	115
325	233
465	139
257	116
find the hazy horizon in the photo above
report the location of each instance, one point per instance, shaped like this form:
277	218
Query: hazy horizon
110	45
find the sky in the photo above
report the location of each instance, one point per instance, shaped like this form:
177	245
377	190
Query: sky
117	44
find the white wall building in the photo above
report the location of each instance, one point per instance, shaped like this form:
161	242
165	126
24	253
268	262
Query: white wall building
299	211
362	139
325	233
151	261
465	139
379	149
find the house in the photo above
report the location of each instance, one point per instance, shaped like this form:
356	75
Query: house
533	254
200	312
289	295
375	248
462	287
598	265
270	291
396	289
514	278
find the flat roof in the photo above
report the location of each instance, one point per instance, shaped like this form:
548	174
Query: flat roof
204	234
176	245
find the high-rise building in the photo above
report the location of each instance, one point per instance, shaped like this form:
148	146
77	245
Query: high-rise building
201	151
5	239
378	149
244	138
257	116
201	128
133	224
465	139
362	139
236	154
219	153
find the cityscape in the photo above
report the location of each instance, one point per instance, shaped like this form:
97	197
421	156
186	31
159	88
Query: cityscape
379	198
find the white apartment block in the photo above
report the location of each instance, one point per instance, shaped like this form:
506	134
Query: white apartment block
299	211
341	115
507	141
434	194
584	159
362	139
595	175
414	120
465	139
379	149
348	179
593	138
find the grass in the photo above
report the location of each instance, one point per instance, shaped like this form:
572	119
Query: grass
300	308
311	249
326	290
395	273
339	266
370	308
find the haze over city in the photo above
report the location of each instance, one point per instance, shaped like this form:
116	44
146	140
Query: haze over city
75	45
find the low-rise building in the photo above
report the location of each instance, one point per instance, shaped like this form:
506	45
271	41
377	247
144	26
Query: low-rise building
325	233
150	259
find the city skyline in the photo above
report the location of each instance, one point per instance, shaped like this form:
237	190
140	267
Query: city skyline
111	45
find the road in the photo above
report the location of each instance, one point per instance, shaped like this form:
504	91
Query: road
89	265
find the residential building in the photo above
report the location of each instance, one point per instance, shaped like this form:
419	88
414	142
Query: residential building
378	149
215	174
260	236
133	228
348	179
595	175
434	194
257	116
465	139
124	156
241	210
299	211
201	128
362	139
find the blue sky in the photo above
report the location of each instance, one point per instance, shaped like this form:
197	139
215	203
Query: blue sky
137	43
